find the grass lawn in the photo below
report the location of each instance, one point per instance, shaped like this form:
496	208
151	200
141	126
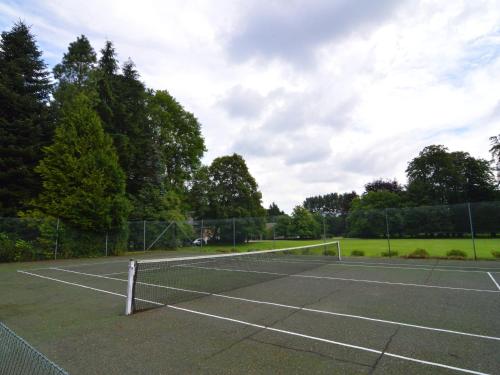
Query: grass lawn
435	247
375	247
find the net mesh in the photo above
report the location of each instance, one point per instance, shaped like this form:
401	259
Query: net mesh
20	358
169	281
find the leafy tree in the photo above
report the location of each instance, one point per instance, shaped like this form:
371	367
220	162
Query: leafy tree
82	181
384	185
283	227
437	176
25	124
334	207
274	210
367	217
330	204
180	143
226	190
304	224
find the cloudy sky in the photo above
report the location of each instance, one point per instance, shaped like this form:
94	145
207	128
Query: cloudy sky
318	96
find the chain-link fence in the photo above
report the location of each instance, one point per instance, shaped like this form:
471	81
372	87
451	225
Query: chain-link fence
26	239
17	357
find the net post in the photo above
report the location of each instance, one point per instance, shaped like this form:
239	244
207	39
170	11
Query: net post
132	271
338	251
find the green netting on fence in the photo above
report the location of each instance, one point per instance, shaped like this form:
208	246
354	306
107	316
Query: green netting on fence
17	357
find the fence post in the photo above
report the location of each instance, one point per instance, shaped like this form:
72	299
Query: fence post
387	233
274	235
201	234
472	231
234	234
324	234
106	243
175	234
57	240
144	235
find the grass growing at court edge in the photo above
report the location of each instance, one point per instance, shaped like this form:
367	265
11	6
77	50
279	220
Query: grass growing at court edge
375	247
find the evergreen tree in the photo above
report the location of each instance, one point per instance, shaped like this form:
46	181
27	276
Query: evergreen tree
25	124
82	180
274	210
77	64
133	133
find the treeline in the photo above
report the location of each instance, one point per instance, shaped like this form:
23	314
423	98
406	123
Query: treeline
89	144
433	203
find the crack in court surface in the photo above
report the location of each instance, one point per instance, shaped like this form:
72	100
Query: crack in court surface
384	350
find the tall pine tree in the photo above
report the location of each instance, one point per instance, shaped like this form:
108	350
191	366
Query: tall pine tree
25	124
82	180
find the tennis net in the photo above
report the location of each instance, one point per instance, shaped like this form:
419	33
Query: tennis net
159	282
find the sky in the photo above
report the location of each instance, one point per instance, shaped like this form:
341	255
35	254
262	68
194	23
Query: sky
318	96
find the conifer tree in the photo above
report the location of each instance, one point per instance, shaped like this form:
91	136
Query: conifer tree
82	180
25	124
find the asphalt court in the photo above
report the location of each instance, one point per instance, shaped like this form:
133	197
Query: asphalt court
356	316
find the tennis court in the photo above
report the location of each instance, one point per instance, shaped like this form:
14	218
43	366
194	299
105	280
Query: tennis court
310	311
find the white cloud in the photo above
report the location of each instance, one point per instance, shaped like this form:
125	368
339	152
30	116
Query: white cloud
317	96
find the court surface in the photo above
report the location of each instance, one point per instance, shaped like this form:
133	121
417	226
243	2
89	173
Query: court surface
358	316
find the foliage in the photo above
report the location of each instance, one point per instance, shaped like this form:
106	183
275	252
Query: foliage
25	122
437	176
418	253
77	64
82	181
384	185
224	190
392	253
180	142
304	224
274	210
357	253
456	254
496	254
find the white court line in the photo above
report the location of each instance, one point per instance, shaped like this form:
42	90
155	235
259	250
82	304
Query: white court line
291	333
420	265
294	307
338	343
403	268
353	280
493	279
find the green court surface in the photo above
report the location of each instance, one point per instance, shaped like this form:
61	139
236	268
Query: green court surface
356	316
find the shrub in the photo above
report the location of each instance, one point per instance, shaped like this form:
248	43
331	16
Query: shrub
331	253
419	253
456	254
391	254
357	253
495	253
15	250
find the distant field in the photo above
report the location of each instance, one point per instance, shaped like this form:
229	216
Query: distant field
375	247
435	247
